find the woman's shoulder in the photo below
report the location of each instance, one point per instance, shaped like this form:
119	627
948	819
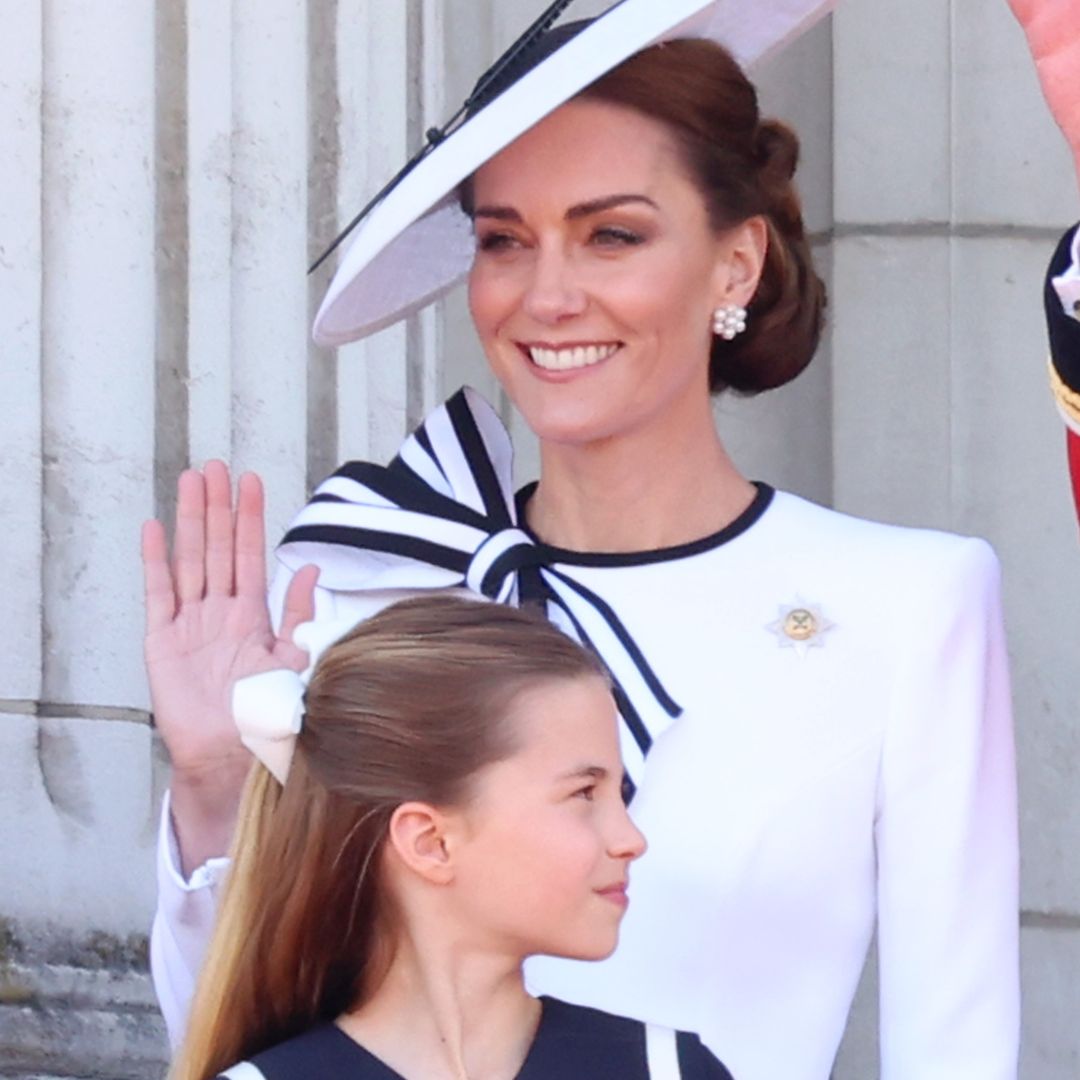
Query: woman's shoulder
593	1039
323	1051
860	545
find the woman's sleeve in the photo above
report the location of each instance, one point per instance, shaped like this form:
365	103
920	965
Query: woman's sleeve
183	922
946	833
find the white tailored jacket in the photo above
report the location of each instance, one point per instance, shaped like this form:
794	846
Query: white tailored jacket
815	787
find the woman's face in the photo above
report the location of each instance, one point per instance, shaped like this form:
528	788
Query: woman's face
596	274
542	866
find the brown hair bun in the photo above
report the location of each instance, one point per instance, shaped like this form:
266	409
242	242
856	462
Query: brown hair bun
743	166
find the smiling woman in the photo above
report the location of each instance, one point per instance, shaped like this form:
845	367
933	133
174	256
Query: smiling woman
813	710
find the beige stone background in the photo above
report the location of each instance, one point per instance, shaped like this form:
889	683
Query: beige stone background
167	169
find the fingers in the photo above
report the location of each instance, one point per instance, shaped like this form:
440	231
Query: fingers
219	529
1051	28
1022	9
157	578
250	538
299	602
189	554
212	553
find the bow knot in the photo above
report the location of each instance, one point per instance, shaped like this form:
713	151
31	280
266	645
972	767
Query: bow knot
494	566
268	709
442	515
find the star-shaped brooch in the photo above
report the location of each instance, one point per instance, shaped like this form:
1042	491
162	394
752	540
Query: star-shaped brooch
800	626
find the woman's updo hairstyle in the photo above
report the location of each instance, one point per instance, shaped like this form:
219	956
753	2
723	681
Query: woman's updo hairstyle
743	166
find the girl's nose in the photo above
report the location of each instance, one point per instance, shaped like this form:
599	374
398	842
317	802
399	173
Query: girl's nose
628	841
553	293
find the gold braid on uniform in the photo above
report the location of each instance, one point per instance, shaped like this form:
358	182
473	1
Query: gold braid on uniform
1068	399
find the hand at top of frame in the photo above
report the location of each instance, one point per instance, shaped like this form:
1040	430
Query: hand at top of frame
207	625
1053	33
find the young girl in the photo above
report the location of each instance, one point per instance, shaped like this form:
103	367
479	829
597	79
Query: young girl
450	805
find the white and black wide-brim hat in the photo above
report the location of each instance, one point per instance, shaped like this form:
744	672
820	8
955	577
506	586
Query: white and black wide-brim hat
414	243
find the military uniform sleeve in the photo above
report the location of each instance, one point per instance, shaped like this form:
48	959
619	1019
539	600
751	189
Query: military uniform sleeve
1061	296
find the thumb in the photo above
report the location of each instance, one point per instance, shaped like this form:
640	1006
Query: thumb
299	602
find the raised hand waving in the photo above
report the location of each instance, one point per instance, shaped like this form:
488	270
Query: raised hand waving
207	625
1053	33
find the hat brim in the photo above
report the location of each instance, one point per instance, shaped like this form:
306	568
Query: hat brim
417	243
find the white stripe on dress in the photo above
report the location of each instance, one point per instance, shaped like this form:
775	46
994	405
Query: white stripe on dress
661	1053
244	1071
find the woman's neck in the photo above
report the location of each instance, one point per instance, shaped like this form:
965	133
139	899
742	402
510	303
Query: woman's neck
447	1014
643	490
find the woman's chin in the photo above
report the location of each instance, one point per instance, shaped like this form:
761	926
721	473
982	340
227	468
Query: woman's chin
571	423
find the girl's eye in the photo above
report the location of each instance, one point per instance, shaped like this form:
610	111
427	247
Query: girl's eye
586	792
616	236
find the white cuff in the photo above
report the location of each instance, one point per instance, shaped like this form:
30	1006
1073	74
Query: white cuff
182	926
1067	285
206	876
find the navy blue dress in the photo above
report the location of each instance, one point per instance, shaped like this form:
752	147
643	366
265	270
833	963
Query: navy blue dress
572	1043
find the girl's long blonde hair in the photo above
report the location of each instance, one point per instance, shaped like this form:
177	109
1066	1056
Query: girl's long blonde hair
408	706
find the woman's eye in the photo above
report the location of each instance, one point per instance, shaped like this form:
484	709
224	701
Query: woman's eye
613	236
496	241
586	792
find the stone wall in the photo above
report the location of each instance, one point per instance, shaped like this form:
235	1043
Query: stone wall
171	168
951	190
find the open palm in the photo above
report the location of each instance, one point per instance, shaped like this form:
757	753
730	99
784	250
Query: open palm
207	621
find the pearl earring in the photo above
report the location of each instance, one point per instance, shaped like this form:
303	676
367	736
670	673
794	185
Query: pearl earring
729	320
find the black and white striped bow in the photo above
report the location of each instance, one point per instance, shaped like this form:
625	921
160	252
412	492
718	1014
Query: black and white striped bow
442	514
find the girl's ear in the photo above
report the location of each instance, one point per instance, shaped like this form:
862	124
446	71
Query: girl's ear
417	835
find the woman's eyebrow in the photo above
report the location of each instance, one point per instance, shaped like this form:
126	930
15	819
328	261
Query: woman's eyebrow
607	202
500	213
580	210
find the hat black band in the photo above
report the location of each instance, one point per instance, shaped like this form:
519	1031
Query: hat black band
522	56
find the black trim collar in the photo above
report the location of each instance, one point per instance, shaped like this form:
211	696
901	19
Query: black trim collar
729	532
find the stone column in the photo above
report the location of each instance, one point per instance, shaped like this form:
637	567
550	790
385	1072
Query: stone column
76	776
172	170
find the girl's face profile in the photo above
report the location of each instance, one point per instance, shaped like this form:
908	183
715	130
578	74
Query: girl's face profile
596	273
542	866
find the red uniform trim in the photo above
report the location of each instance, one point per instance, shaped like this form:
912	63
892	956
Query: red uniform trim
1073	442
